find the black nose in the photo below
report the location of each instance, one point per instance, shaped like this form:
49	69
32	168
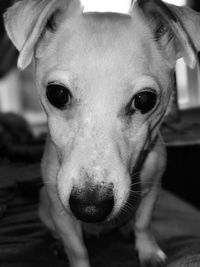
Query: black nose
91	204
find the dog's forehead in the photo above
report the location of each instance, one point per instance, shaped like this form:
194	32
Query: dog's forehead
111	45
104	33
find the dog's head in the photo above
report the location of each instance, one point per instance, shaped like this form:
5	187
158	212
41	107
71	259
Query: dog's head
105	81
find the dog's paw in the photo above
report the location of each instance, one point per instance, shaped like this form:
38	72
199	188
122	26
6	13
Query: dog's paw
154	258
58	249
150	255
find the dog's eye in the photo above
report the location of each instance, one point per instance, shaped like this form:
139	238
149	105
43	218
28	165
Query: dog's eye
145	101
58	95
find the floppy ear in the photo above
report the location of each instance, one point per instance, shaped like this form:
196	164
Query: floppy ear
26	21
176	29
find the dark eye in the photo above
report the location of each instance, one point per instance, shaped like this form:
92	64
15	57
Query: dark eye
58	95
145	101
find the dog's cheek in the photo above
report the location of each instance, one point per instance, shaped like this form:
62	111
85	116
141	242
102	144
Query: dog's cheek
136	139
62	133
64	184
128	145
122	187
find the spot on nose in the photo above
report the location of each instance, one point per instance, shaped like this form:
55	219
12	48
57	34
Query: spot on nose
91	204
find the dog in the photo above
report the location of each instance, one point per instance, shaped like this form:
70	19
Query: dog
105	81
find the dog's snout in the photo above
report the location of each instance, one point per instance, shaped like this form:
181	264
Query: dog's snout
91	203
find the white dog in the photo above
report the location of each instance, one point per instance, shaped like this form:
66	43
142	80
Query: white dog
105	81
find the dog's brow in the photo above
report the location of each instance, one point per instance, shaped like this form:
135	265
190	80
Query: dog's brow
59	75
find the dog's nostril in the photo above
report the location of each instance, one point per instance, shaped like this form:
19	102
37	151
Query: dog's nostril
90	205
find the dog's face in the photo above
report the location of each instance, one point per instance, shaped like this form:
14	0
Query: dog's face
104	90
105	83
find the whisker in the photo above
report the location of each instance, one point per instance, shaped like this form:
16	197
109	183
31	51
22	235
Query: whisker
135	191
135	183
146	183
50	182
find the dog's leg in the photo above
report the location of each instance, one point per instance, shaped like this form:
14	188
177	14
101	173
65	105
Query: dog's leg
66	228
44	211
59	221
149	252
70	232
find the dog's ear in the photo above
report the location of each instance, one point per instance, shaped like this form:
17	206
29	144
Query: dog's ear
176	29
26	21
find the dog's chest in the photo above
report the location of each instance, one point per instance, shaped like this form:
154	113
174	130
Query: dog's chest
98	229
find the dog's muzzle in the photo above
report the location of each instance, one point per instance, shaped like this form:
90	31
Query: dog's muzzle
92	203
